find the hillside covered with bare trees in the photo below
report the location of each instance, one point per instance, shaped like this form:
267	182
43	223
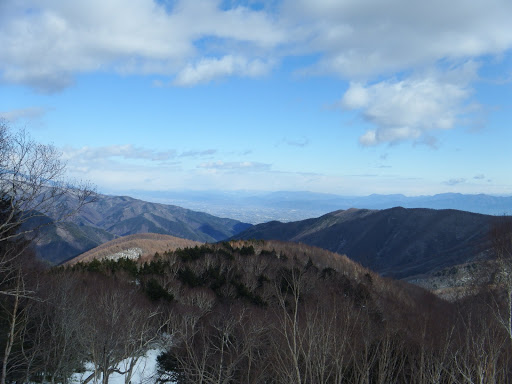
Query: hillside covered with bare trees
252	312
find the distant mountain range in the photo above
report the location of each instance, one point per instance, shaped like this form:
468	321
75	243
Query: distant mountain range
113	216
285	206
396	242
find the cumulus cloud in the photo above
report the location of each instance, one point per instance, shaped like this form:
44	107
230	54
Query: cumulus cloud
479	177
361	39
45	44
411	108
367	43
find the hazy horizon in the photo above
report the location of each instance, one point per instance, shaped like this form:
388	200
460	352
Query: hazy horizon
129	192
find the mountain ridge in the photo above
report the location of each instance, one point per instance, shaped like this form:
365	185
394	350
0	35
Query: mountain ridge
109	217
397	242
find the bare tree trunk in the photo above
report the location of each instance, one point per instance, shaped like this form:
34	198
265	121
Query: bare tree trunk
12	327
289	323
129	371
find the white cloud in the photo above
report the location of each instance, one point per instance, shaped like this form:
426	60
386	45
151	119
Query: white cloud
368	42
455	181
127	152
296	142
368	38
45	44
128	166
357	96
23	113
207	152
235	165
208	69
189	42
412	108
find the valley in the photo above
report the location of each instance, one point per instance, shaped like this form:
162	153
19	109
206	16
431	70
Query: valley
258	207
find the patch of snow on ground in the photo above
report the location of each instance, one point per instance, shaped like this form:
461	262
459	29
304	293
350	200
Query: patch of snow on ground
132	253
143	373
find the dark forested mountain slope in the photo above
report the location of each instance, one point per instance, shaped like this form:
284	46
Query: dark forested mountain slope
122	215
396	242
112	216
58	242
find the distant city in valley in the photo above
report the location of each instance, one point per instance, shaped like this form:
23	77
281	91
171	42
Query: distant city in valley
286	206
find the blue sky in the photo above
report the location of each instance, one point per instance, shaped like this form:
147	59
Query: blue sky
347	97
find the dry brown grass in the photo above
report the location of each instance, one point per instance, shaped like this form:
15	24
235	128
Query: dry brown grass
150	243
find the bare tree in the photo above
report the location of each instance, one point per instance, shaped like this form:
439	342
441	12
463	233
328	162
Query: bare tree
326	334
287	347
121	326
364	353
14	286
391	357
32	185
15	317
501	237
54	342
33	182
430	359
305	326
